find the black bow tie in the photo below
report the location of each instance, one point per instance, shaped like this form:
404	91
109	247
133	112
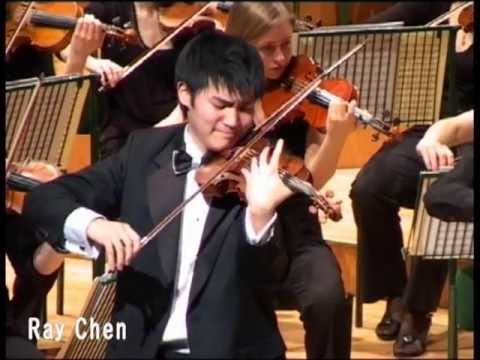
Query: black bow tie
181	162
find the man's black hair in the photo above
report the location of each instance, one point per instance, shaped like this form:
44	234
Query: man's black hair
224	61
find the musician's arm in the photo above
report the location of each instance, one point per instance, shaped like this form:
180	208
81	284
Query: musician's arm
435	145
452	131
98	188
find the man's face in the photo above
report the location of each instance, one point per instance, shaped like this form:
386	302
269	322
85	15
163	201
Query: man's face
218	119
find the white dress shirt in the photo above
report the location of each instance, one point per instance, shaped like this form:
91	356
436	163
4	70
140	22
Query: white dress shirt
192	223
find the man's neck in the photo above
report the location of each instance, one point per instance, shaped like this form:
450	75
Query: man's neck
195	138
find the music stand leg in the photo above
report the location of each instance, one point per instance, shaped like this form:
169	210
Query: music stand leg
358	288
452	311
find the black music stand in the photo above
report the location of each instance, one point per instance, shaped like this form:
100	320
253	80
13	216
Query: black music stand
54	120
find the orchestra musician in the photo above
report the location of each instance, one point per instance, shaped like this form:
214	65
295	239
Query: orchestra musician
435	146
35	263
212	300
389	181
314	279
149	94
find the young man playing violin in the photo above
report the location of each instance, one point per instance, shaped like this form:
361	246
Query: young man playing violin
314	277
199	288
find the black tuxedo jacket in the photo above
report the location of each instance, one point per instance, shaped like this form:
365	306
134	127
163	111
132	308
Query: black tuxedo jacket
230	313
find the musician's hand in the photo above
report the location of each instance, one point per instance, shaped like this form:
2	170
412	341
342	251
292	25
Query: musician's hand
87	37
264	188
340	118
336	204
109	71
259	115
120	241
435	155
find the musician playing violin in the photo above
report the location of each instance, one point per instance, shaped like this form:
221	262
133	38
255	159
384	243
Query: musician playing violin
199	288
269	27
149	94
388	181
314	277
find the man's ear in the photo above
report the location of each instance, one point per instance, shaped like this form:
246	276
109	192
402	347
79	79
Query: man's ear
184	95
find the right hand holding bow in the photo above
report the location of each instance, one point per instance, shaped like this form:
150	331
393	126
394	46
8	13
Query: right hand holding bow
120	241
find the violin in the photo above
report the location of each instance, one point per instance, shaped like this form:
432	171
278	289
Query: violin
314	108
189	25
172	16
48	26
464	38
465	18
461	15
23	178
292	171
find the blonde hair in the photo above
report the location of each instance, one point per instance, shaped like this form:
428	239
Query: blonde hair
250	20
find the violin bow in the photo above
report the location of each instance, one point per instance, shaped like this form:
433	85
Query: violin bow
135	64
19	26
257	135
22	126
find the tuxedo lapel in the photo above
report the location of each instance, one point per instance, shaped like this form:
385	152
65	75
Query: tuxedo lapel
219	220
165	191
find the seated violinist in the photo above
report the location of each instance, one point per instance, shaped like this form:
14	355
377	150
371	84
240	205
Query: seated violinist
199	287
148	95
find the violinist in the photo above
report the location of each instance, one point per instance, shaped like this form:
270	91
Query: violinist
27	61
35	263
389	181
149	94
314	277
200	287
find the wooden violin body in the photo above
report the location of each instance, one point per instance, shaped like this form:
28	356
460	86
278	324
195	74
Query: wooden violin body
23	178
299	72
172	16
232	180
49	25
47	38
314	108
